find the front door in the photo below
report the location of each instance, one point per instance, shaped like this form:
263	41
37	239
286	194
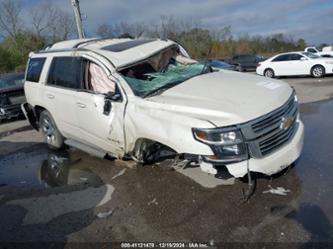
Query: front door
100	118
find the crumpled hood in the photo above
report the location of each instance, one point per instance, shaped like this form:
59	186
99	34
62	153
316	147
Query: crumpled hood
225	98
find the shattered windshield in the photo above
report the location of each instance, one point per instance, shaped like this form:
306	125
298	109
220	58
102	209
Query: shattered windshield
161	72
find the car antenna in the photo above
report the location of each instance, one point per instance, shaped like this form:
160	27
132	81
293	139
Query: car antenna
207	58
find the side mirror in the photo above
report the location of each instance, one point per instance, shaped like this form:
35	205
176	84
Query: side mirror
113	96
303	59
108	99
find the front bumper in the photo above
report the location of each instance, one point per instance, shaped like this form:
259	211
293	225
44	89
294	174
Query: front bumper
274	162
11	111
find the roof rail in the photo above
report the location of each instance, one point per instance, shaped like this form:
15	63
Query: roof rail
88	40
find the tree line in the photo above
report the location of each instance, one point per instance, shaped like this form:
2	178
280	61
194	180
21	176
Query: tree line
46	24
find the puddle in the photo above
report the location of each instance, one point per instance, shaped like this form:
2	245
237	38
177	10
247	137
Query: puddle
11	132
211	210
39	167
315	169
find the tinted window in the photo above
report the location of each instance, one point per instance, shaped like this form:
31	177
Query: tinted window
284	57
311	50
247	57
295	57
66	72
34	70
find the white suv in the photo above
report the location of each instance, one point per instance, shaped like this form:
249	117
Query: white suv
147	100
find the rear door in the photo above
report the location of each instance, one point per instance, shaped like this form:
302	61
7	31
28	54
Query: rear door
281	66
65	77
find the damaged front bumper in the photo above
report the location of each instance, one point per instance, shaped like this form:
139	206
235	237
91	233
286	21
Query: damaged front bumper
10	111
274	162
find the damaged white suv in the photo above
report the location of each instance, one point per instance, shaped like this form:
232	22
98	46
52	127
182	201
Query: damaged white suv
147	100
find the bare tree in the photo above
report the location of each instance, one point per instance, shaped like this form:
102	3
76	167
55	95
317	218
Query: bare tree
122	29
105	31
40	19
10	23
63	26
51	22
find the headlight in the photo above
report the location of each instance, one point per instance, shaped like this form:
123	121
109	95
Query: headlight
2	111
227	143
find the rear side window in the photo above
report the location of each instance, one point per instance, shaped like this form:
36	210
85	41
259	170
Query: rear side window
66	72
284	57
35	67
295	57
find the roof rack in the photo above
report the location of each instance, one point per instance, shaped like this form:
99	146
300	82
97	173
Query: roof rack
69	44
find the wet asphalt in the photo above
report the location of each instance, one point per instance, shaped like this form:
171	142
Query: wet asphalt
58	196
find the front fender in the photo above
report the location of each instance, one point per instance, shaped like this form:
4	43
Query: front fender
171	129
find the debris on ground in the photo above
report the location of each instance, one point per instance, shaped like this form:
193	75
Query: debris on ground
153	202
128	163
59	159
103	215
277	191
120	173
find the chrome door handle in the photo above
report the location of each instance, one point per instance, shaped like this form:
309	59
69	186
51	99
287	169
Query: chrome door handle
50	96
81	105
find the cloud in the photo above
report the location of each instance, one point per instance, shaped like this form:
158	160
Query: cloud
309	19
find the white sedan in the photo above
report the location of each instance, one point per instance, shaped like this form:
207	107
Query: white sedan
295	63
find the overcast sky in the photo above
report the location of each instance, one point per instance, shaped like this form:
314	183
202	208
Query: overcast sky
308	19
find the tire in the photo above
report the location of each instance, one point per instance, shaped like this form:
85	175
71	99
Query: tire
239	68
318	71
269	73
52	136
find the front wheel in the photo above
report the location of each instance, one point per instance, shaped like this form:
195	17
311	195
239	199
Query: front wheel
318	71
269	73
239	68
52	136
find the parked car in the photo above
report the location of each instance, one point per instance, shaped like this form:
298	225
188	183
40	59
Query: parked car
244	62
11	95
146	100
326	52
295	63
219	64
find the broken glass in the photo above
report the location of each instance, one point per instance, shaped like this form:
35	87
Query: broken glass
173	75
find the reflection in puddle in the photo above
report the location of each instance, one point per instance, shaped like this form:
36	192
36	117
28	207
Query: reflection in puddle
43	168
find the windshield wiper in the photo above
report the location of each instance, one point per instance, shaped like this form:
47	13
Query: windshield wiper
161	89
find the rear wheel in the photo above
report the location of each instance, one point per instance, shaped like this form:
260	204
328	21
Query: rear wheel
52	136
318	71
269	73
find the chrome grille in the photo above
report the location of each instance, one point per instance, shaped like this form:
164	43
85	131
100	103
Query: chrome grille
267	133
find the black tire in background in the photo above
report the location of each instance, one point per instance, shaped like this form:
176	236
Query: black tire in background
317	71
52	136
269	73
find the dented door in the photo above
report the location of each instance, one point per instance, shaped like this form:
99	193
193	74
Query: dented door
98	129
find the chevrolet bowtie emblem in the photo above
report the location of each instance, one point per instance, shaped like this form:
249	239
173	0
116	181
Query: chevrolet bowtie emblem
286	122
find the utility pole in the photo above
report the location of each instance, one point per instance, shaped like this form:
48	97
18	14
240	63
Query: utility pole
78	18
